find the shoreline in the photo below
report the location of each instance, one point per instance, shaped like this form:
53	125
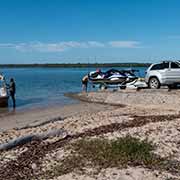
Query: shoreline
7	111
26	117
37	116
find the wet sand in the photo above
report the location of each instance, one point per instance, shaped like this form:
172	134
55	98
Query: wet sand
35	117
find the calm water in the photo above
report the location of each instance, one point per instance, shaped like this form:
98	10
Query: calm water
39	87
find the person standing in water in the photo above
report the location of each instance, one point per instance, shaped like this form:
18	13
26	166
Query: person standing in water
12	91
85	83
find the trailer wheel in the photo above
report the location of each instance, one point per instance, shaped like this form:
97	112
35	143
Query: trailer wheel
102	87
123	87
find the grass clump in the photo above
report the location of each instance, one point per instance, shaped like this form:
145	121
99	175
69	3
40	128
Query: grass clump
120	152
103	153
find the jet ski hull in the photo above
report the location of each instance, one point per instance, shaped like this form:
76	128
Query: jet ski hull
108	81
4	101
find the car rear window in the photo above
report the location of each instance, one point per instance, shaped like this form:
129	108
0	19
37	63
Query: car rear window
160	66
174	65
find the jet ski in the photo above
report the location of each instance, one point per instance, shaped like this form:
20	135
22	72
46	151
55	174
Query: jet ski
111	76
3	92
114	78
137	84
130	74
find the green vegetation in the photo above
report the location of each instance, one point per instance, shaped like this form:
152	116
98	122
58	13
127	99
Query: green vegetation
76	65
103	153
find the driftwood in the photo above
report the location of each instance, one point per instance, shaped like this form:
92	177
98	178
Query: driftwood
137	121
26	139
34	125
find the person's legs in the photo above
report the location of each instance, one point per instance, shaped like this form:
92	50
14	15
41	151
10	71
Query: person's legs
85	86
14	102
13	99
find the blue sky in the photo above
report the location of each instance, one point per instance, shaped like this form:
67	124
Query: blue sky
70	31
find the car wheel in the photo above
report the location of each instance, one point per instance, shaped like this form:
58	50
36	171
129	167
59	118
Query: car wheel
154	83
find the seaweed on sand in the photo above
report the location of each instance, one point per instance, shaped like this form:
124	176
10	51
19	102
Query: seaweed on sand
21	168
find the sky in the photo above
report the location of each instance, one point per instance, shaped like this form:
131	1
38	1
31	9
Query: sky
89	31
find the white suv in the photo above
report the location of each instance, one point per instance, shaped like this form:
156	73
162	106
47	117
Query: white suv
164	73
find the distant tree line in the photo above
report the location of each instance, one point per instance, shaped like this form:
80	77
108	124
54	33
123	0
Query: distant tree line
74	65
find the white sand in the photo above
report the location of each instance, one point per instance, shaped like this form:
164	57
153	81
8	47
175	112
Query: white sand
78	118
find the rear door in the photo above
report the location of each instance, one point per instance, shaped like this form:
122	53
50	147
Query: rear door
174	73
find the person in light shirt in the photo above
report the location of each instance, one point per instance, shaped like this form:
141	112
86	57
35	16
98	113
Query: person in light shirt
85	83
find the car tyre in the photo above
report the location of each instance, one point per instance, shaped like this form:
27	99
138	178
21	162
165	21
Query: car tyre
154	83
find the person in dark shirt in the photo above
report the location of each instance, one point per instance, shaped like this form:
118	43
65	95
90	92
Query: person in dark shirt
12	91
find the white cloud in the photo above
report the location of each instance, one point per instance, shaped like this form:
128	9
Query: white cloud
48	47
124	44
65	45
95	44
6	45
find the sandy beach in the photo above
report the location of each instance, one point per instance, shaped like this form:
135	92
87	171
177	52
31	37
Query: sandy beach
90	90
151	115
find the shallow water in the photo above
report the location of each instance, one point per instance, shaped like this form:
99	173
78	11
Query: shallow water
41	87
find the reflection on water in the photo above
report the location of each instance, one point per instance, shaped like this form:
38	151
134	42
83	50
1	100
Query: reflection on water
23	102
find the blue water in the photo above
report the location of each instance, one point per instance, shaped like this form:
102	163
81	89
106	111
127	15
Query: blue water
40	87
